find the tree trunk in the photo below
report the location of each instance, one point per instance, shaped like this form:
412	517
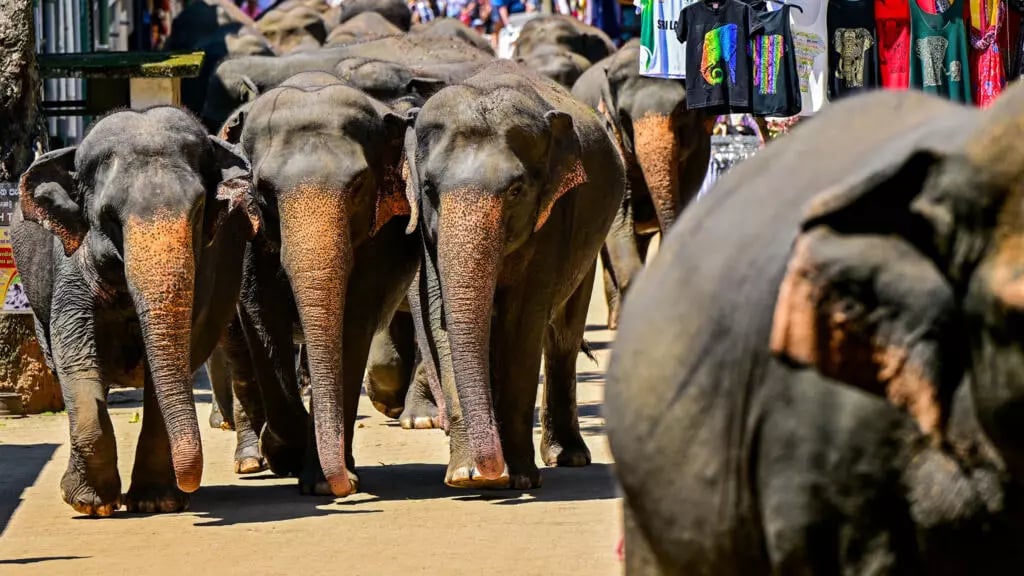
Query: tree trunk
22	367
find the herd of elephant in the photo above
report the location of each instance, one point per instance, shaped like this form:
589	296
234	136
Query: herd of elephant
397	203
821	373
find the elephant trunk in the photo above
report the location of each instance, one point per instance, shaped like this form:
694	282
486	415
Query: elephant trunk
658	153
316	253
160	272
470	244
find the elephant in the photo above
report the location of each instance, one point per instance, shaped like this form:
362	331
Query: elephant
569	33
835	383
557	63
239	80
130	250
365	25
296	29
219	29
395	11
513	186
448	28
666	150
330	265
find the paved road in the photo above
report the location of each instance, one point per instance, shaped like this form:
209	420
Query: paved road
405	522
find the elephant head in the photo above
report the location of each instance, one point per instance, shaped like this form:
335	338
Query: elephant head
327	164
664	145
906	277
481	183
135	204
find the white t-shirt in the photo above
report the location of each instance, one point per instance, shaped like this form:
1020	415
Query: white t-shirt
810	42
662	55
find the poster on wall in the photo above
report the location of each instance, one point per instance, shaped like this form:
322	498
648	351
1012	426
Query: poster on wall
13	294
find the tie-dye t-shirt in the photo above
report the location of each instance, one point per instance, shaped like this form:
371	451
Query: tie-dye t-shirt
773	59
718	76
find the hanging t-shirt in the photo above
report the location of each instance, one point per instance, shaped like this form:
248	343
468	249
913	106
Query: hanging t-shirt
938	63
809	30
717	68
987	21
893	20
661	55
776	86
852	47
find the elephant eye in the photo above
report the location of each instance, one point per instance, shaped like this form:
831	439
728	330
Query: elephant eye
515	190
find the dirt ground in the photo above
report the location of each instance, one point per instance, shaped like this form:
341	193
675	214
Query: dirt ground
404	522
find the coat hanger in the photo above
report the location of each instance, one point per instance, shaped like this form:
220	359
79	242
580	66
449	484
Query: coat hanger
793	6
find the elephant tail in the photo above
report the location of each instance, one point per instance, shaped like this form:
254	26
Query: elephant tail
588	351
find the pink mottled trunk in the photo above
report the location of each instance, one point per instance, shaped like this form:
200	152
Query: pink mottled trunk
658	154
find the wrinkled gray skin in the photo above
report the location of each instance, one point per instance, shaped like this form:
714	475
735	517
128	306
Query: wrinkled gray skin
666	150
300	286
362	26
557	63
395	11
448	28
835	382
515	184
569	33
130	248
239	80
295	29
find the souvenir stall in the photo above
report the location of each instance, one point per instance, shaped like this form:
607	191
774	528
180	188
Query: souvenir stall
784	60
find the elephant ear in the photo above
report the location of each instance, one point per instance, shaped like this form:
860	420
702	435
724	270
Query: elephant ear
391	195
864	299
409	173
564	164
49	197
234	196
231	130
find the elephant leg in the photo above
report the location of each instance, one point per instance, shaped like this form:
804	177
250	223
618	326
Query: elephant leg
248	410
91	484
154	487
222	409
639	555
421	411
516	347
267	320
561	443
390	365
620	257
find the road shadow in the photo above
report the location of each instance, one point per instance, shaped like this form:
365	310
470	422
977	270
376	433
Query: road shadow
426	482
21	466
254	504
596	328
39	559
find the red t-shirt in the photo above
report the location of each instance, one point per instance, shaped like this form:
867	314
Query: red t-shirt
892	17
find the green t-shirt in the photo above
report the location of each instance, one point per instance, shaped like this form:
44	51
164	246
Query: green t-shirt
939	53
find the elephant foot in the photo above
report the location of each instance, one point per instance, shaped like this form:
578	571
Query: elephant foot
250	465
525	476
468	476
217	420
283	458
389	411
613	316
96	501
317	485
421	411
569	452
155	499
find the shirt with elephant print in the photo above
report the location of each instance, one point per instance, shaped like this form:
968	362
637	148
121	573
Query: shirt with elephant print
852	48
718	74
939	54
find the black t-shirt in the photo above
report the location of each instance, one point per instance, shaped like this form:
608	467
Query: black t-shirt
852	48
775	79
717	64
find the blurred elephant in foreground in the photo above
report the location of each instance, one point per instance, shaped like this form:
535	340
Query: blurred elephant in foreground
666	149
130	249
514	185
821	373
331	264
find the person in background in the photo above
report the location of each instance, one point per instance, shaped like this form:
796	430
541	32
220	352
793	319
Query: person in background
503	8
